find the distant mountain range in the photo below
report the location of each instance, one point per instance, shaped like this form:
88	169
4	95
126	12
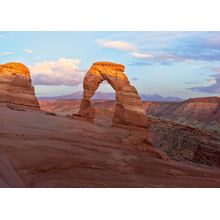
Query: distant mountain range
158	98
111	96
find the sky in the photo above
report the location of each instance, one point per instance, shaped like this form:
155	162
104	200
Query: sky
180	64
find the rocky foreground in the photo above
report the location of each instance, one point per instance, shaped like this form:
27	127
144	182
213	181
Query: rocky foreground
42	150
183	130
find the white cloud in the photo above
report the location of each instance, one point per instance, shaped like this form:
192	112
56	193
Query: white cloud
156	57
63	71
144	56
119	45
211	85
28	51
6	53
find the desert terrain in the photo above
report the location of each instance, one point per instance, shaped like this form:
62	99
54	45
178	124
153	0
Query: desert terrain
43	150
172	126
44	145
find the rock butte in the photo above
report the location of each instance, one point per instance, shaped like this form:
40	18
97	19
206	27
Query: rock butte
129	108
16	87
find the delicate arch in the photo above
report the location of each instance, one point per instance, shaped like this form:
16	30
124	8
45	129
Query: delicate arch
129	108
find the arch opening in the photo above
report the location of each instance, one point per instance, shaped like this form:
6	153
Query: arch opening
104	103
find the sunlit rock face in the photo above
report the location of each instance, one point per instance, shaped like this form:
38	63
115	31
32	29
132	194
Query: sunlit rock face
16	87
129	109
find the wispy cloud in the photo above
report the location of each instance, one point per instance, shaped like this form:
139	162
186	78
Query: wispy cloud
163	58
142	56
28	51
201	46
63	71
213	83
141	63
116	44
6	53
177	46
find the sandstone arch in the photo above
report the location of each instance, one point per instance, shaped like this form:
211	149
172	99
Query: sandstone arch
129	109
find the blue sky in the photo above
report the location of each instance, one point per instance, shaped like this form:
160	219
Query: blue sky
182	64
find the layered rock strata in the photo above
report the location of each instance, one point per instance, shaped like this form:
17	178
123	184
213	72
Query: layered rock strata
16	86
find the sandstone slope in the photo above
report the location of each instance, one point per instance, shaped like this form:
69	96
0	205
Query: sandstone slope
181	140
43	150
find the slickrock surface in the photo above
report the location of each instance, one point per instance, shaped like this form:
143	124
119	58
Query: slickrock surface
16	88
41	150
196	140
129	108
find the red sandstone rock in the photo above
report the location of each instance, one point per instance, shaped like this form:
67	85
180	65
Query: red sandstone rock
198	112
129	109
181	141
61	152
16	87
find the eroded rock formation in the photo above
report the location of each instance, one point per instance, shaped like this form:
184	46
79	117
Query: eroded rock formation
129	109
197	112
16	87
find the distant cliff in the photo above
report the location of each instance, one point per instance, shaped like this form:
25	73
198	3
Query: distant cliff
199	112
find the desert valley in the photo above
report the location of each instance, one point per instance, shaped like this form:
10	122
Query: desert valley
49	143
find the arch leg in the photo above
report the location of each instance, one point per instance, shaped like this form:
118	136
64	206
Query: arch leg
90	85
